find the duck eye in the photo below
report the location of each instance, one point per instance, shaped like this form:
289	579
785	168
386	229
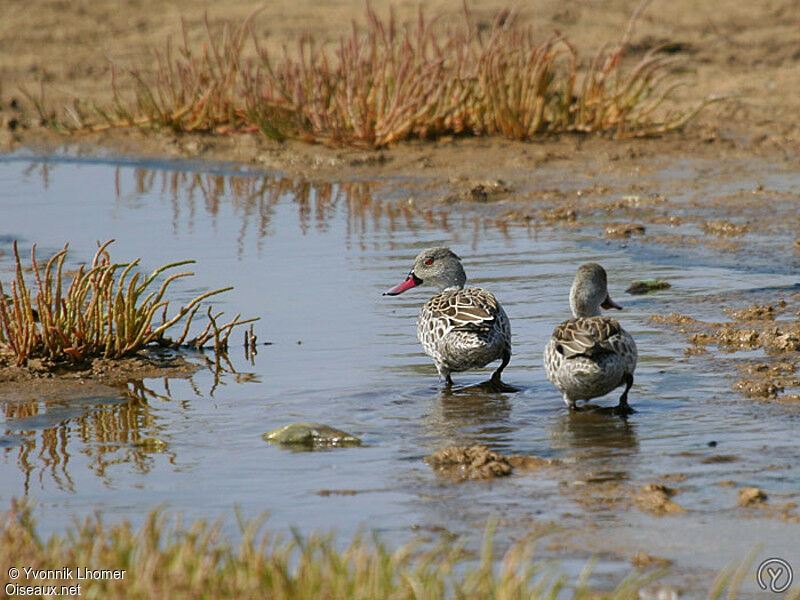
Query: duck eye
429	262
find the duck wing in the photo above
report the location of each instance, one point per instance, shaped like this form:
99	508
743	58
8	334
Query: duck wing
472	309
588	336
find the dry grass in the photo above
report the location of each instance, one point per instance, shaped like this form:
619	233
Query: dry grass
387	83
172	560
106	311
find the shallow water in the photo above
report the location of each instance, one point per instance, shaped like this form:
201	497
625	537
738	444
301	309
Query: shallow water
312	262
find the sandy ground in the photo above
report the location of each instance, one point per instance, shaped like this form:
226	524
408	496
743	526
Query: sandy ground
731	47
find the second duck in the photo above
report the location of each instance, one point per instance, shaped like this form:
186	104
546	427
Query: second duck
590	355
458	328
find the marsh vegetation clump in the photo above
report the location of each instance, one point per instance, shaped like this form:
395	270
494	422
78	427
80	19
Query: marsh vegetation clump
107	310
385	82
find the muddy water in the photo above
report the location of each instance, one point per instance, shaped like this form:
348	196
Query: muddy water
312	261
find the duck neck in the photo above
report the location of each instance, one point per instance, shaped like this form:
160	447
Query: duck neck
454	280
583	305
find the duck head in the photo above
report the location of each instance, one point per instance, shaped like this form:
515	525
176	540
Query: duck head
439	267
589	291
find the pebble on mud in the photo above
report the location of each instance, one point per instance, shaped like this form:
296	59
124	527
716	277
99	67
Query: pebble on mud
647	286
643	560
756	312
723	228
151	445
655	499
772	338
484	191
624	230
559	214
310	435
460	463
751	496
719	458
758	389
675	319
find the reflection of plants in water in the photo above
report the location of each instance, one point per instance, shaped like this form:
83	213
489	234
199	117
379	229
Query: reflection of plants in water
254	197
107	434
106	311
53	448
109	431
121	434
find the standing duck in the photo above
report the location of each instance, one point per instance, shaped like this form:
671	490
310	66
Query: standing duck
590	355
458	328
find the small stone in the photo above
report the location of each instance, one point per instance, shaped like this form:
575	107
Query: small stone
151	445
757	312
310	435
647	286
723	228
560	214
624	230
719	458
750	496
643	560
655	498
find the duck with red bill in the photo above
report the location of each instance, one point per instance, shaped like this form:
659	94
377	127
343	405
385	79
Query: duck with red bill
459	328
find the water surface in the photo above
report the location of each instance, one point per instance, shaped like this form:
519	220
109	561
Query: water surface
312	261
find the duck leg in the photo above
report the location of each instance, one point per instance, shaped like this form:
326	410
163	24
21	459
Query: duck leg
444	373
496	374
495	383
623	408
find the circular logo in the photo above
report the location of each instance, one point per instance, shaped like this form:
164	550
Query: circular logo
775	575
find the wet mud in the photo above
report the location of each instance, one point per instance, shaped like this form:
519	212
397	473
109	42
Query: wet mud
760	327
461	463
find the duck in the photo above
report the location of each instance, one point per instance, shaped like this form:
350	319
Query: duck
459	328
590	355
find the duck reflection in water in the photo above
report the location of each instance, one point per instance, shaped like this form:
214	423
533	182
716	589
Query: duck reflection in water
470	415
600	445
